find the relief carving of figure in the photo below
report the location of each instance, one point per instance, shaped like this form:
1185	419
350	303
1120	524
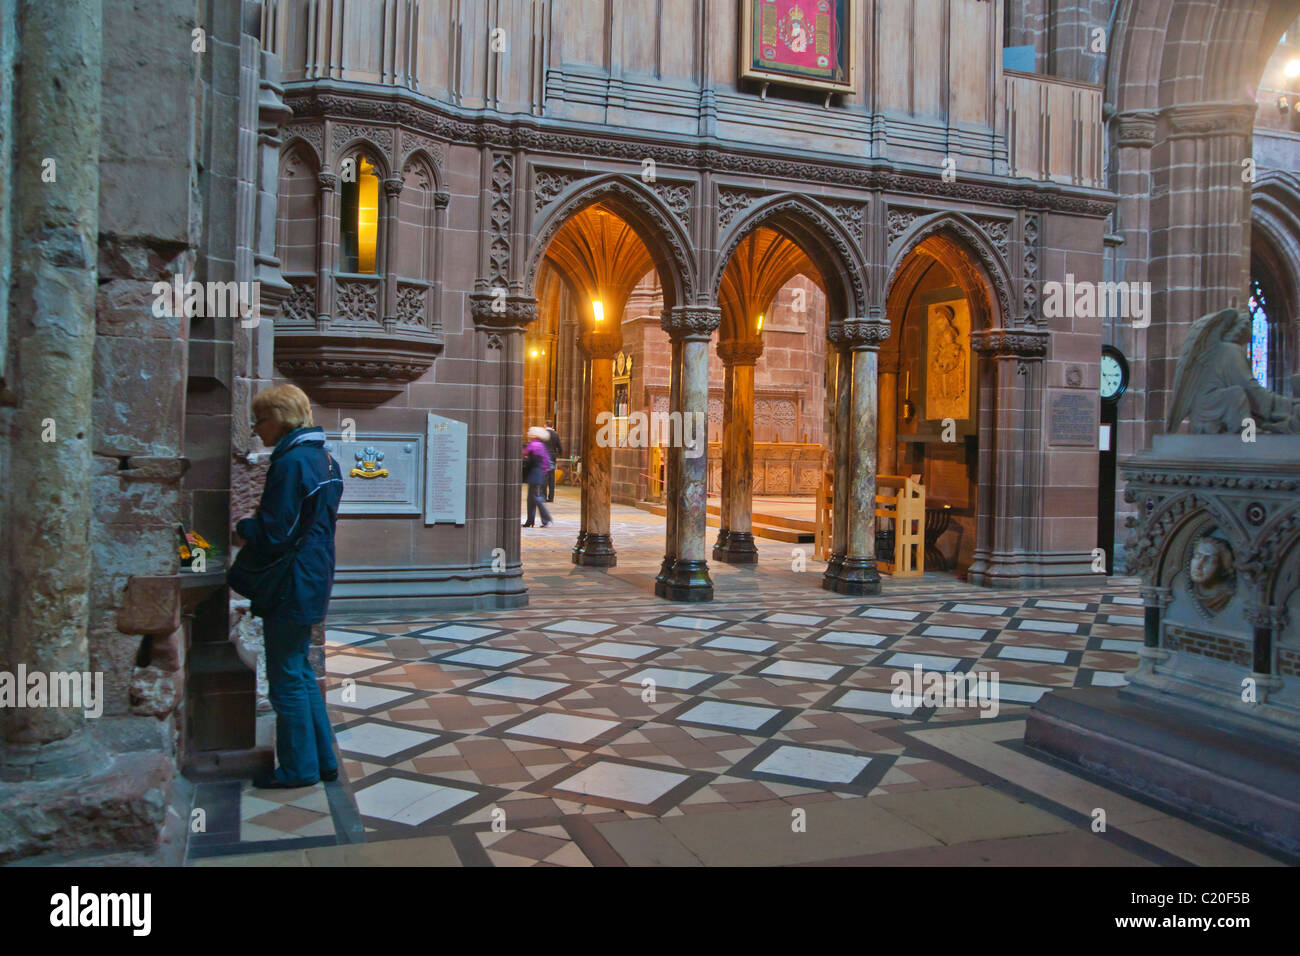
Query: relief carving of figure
950	358
1213	387
1212	571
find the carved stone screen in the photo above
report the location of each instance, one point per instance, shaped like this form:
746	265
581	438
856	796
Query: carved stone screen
383	473
444	499
1072	419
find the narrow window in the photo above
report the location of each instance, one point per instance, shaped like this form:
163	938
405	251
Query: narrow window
360	219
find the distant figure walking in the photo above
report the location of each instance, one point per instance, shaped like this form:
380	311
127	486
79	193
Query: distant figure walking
555	449
536	465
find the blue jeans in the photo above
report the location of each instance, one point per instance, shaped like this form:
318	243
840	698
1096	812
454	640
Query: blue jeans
537	502
304	740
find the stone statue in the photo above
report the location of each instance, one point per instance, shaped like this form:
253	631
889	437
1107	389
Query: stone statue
1213	573
1213	387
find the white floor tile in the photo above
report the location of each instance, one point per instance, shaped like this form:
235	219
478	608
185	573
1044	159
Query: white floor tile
929	662
1111	644
459	632
666	677
1124	619
855	638
380	740
363	696
572	626
751	645
961	633
1018	693
877	701
615	649
1109	679
804	670
1062	605
804	763
1051	655
484	657
348	637
989	609
890	614
567	728
408	801
800	619
1039	624
692	623
520	688
351	664
722	714
616	781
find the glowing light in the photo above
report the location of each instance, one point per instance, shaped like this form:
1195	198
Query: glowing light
534	353
367	217
598	309
760	322
1292	68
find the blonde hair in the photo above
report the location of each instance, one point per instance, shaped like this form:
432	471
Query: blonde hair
541	434
286	404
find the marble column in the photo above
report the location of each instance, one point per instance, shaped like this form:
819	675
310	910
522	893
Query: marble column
688	577
855	440
57	113
735	544
595	548
672	466
840	407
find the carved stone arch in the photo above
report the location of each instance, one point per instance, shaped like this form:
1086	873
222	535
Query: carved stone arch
375	153
977	265
421	155
302	145
297	224
1275	256
1263	563
1175	515
659	229
822	237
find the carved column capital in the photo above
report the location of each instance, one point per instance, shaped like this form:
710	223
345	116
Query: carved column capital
393	187
1136	128
1018	343
1209	119
740	351
694	322
505	312
600	345
1153	596
327	181
858	334
1272	618
441	199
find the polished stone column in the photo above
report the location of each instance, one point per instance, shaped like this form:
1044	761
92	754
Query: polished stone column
735	544
672	466
688	577
327	246
57	113
595	548
388	252
840	407
855	449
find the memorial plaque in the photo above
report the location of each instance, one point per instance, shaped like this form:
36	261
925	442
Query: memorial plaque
446	474
1072	419
383	473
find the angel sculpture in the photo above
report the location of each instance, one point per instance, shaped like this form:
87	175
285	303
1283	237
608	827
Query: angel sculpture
1213	387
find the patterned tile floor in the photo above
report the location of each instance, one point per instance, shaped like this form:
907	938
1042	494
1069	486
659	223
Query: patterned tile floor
603	726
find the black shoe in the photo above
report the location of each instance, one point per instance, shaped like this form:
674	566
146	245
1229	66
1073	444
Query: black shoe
528	524
273	782
329	776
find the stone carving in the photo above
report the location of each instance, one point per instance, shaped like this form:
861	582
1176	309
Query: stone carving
691	322
731	202
344	133
850	214
679	197
311	133
858	333
410	305
1025	343
413	144
1213	573
300	305
998	231
356	300
419	170
1136	128
1213	387
899	221
548	184
1029	294
506	313
974	241
429	118
499	215
947	380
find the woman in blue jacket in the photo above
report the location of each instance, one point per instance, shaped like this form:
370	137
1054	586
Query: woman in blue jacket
299	507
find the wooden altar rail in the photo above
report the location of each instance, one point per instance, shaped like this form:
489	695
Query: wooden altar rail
905	508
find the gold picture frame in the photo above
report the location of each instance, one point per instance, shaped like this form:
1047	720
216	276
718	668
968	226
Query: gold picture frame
754	65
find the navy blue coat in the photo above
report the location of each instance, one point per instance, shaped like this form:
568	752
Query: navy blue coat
299	465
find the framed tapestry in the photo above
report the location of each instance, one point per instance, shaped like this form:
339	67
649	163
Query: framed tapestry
799	43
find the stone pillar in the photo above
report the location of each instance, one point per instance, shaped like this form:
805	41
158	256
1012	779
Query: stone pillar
672	467
691	328
856	447
735	544
839	406
388	252
595	548
57	116
327	246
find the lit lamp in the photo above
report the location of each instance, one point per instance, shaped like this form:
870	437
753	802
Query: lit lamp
760	323
598	310
533	354
1292	68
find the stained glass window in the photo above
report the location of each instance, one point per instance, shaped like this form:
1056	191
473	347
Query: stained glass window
1258	307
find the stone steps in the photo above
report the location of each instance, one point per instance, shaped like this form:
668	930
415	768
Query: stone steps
774	527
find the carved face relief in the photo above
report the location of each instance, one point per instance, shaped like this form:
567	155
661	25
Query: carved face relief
1212	573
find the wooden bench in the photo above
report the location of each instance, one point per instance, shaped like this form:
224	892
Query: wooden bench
903	507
